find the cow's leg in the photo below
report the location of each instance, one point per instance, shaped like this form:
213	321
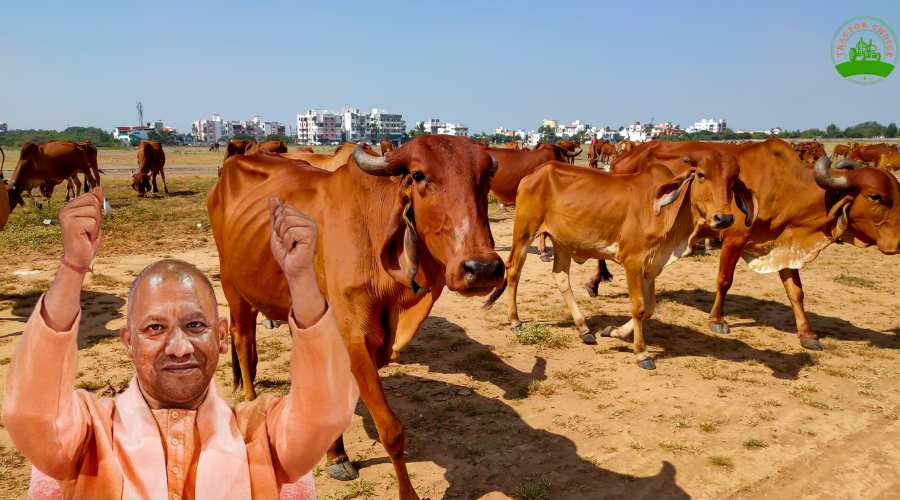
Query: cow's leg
522	237
542	248
790	278
593	285
243	340
642	293
390	429
731	252
71	191
162	173
155	185
562	262
338	463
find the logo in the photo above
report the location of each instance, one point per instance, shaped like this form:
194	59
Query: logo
864	50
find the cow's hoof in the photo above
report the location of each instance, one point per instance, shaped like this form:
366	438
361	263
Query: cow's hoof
589	338
591	290
546	257
342	470
268	324
721	327
647	364
812	344
516	326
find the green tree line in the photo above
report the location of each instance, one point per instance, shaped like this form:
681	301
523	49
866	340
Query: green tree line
832	131
15	138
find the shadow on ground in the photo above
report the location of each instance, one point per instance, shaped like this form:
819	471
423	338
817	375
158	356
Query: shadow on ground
98	309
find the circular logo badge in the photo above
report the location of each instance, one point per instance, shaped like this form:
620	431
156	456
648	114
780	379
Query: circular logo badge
864	50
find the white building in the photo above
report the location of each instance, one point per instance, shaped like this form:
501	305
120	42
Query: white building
319	127
273	128
716	126
355	125
386	125
571	129
605	133
636	132
436	126
208	131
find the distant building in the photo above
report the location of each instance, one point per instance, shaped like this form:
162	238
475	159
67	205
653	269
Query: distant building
273	128
3	127
354	125
636	132
549	123
436	126
319	127
208	131
571	129
125	134
666	129
386	125
716	126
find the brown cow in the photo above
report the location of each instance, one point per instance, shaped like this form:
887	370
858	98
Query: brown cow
74	185
570	146
889	161
267	147
151	162
801	211
386	145
214	147
590	214
809	151
46	165
4	204
237	147
624	147
840	150
870	153
514	165
393	232
305	149
330	161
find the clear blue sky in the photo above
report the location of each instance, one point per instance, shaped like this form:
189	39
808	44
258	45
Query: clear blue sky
758	64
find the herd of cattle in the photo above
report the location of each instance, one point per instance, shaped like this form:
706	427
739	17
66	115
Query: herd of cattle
397	228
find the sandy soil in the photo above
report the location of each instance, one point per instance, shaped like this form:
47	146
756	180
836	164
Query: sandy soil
744	415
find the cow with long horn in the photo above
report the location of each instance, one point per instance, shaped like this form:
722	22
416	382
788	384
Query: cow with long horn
802	210
394	231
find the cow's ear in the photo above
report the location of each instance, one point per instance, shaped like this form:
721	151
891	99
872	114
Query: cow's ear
399	253
667	193
746	202
839	214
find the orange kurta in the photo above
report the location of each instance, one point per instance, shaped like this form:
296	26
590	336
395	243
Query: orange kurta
119	448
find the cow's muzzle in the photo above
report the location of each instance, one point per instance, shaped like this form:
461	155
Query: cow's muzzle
477	274
721	221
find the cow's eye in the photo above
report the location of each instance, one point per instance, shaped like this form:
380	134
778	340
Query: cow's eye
418	176
875	198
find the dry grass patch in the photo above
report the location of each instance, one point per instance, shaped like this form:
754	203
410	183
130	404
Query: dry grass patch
755	444
541	335
360	488
854	281
720	461
533	490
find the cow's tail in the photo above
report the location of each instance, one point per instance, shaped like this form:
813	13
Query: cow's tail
2	161
238	379
489	303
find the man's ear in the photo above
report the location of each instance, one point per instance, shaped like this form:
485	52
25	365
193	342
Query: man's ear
125	335
222	336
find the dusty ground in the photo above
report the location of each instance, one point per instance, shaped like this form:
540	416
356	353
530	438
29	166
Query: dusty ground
745	415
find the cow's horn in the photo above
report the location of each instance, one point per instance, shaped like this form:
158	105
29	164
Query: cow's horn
573	154
375	165
848	164
822	174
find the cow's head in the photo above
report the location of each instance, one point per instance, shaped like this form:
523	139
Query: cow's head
863	199
558	151
440	211
140	182
716	183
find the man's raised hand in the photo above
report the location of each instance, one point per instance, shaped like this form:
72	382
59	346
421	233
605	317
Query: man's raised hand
80	224
293	239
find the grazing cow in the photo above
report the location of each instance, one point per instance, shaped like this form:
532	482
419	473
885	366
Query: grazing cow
624	147
870	153
889	161
809	151
840	150
74	185
386	145
269	147
305	149
237	147
214	147
46	165
330	161
590	214
801	211
393	232
151	162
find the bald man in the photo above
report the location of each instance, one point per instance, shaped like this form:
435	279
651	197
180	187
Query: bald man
170	435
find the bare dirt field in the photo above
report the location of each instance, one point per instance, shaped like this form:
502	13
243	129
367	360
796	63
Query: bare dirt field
489	414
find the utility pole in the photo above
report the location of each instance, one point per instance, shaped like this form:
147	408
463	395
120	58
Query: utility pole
140	110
